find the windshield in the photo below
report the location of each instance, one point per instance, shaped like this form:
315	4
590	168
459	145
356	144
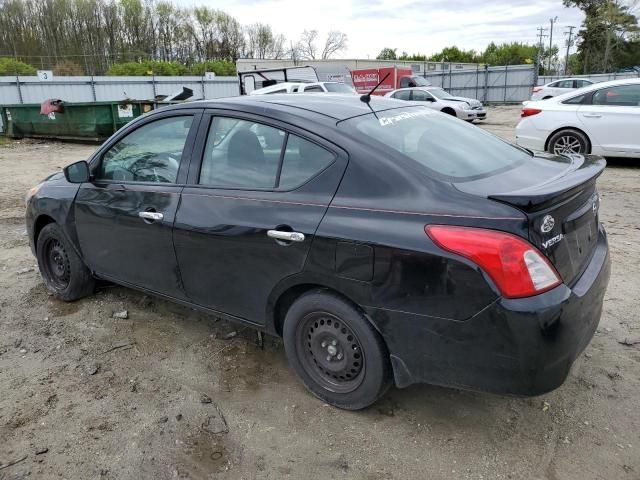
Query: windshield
339	88
420	82
447	148
439	93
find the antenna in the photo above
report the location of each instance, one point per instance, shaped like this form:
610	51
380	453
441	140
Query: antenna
366	98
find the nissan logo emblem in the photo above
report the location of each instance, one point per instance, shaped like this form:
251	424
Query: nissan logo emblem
548	223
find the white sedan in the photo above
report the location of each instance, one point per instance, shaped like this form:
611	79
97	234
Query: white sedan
436	98
558	87
602	119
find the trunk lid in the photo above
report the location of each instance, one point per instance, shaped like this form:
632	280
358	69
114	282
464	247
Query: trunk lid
559	197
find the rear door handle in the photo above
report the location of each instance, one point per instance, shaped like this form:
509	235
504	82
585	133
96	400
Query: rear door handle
591	115
153	216
286	236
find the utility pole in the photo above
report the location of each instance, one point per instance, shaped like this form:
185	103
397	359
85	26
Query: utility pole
566	59
540	36
552	21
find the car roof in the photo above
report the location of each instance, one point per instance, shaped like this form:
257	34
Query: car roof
589	88
569	78
336	106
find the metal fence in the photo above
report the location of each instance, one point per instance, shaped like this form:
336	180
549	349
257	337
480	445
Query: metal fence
508	84
597	77
19	89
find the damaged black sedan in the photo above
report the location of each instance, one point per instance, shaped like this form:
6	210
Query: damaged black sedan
385	242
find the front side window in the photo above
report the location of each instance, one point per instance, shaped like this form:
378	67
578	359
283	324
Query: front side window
421	96
151	153
442	146
620	96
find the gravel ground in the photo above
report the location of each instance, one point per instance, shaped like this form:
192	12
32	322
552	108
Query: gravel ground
162	393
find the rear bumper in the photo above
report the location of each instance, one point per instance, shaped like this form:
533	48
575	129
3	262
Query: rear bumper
528	136
518	347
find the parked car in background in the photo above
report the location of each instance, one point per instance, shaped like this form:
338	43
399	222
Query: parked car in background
437	98
299	87
603	119
559	87
383	241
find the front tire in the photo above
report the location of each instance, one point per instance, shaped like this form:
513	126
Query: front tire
62	270
568	141
335	351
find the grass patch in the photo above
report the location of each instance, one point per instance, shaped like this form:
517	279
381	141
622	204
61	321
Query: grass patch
3	140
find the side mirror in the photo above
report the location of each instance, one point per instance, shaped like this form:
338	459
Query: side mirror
77	172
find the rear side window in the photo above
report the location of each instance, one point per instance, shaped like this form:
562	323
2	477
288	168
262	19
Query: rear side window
151	153
576	100
314	88
251	155
302	160
241	154
444	147
620	95
402	95
583	83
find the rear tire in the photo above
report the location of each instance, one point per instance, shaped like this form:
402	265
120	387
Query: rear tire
335	351
62	270
568	141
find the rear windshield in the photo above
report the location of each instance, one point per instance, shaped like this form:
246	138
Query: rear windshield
447	148
339	88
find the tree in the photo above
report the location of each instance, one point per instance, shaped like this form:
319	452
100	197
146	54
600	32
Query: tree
306	46
387	54
454	54
608	33
336	42
9	66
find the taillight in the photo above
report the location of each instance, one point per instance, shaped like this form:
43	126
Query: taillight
527	112
516	267
536	89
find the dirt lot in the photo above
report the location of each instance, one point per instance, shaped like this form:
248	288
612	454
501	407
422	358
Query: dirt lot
162	394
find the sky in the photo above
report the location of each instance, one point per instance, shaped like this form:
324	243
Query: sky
424	26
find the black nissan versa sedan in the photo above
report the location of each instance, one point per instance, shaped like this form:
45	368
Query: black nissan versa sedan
383	241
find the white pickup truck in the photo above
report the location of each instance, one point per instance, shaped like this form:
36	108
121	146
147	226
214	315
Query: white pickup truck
298	87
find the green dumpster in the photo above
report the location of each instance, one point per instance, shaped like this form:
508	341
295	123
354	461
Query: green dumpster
93	121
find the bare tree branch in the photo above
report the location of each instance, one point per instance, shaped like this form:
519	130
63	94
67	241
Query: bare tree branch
336	42
307	46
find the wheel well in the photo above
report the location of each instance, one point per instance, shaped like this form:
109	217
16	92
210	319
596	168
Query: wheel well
41	222
546	143
286	299
449	111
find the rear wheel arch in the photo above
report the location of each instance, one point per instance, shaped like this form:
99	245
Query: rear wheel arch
574	129
291	294
547	97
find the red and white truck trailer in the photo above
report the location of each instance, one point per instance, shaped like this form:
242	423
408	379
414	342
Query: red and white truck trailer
364	79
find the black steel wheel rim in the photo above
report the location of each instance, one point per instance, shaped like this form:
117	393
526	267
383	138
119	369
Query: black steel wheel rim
56	263
330	352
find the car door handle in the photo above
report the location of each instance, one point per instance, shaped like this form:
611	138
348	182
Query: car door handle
153	216
286	236
591	115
